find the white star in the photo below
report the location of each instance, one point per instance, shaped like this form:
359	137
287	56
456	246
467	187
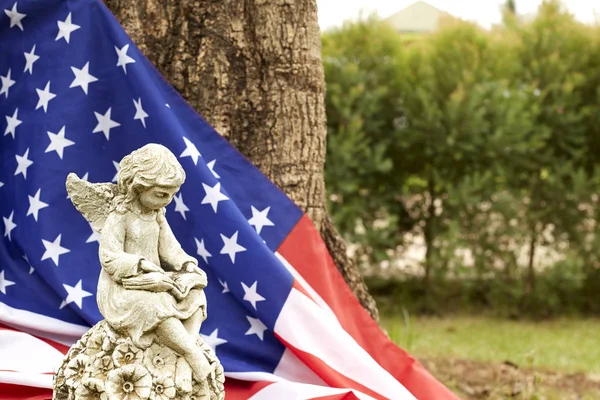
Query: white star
75	295
82	77
231	247
105	124
95	236
213	340
4	283
31	269
6	84
65	28
117	167
251	295
44	97
213	195
23	162
190	151
9	225
211	166
124	59
180	206
58	142
259	219
201	250
139	111
15	16
35	205
1	184
54	250
225	287
256	328
30	58
12	123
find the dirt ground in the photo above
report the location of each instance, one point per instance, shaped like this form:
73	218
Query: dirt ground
476	380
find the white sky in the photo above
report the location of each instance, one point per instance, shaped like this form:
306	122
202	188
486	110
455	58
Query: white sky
484	12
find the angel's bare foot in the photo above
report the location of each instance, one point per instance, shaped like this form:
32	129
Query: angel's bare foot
201	368
172	333
183	375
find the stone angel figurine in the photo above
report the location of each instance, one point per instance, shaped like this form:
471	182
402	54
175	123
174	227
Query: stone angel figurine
150	291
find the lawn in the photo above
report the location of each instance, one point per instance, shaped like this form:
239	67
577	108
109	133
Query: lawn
487	358
566	345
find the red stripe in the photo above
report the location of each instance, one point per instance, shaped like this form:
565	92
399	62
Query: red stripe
58	346
298	286
331	376
241	390
18	392
306	251
37	373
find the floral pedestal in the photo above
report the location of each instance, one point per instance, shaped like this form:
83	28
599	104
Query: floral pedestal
105	365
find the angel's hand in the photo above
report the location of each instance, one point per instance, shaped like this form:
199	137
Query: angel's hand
149	266
178	294
189	266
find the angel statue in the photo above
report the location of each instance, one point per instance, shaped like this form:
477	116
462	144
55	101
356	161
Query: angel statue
150	293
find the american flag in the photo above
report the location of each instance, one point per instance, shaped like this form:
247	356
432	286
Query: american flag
76	95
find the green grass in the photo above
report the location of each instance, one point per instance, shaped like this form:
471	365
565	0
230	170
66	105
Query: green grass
565	345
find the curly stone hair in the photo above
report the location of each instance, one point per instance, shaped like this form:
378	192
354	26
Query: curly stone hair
149	166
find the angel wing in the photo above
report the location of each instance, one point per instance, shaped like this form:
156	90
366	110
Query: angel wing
92	200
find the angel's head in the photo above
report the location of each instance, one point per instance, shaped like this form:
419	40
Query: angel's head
150	175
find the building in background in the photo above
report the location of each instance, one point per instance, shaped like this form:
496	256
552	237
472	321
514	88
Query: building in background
420	17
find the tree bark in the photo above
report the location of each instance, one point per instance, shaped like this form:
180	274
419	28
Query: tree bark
253	70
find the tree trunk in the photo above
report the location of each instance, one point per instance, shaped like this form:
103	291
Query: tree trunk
530	282
429	230
253	70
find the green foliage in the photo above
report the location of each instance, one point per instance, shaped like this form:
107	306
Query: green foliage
361	63
482	143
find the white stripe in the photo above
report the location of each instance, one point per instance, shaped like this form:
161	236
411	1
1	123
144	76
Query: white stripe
300	391
284	389
253	376
328	341
291	368
26	379
41	325
300	279
25	353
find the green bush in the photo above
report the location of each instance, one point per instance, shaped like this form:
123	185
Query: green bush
479	142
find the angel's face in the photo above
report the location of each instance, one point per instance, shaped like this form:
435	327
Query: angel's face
157	197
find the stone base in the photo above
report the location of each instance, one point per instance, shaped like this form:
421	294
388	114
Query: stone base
105	365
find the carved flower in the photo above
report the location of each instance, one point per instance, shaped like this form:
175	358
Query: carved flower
77	348
126	353
75	370
200	391
110	332
101	366
217	383
91	389
94	344
61	390
130	382
163	388
160	360
107	345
